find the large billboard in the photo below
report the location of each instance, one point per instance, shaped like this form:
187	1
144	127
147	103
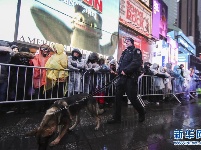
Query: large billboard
156	19
8	9
136	16
85	24
163	19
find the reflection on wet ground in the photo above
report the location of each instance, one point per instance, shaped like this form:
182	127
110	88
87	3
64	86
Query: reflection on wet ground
156	133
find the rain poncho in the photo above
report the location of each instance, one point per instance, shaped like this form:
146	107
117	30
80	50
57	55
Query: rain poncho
39	76
76	67
57	63
179	80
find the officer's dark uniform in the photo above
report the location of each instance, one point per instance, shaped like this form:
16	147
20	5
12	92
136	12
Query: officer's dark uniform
130	62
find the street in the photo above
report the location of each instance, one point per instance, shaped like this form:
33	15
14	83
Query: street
155	133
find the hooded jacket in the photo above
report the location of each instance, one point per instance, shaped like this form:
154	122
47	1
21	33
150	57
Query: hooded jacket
103	67
146	69
58	62
39	77
72	61
93	57
92	62
179	79
22	75
170	71
158	81
75	64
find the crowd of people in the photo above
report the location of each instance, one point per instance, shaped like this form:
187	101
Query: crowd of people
169	79
50	73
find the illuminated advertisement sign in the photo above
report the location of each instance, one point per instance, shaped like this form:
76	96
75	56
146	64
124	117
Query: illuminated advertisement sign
182	58
8	9
156	19
163	19
185	44
173	51
134	15
85	24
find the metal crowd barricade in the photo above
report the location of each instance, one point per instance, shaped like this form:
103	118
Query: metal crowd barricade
194	84
188	88
17	82
85	82
148	86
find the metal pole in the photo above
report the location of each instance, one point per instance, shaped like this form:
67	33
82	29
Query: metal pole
17	20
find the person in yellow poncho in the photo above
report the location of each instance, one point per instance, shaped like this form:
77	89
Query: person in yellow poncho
56	76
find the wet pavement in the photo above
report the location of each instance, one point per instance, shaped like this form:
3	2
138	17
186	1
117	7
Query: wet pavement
155	133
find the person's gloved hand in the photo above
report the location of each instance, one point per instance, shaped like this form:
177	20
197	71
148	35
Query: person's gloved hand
82	70
74	64
91	70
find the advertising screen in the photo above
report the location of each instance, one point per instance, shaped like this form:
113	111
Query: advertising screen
136	16
173	51
85	24
8	9
156	19
163	18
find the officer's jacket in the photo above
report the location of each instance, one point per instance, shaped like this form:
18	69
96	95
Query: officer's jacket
130	61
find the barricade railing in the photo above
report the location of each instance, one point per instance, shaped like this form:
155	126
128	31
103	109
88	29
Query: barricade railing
21	83
166	87
185	88
156	86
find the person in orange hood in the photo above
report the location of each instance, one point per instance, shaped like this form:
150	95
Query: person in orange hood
39	76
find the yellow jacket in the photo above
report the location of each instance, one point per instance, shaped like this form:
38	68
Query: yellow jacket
57	63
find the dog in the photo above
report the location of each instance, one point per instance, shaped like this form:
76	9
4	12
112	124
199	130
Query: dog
59	116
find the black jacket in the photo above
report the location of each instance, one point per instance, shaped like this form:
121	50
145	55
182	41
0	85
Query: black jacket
21	75
4	58
130	61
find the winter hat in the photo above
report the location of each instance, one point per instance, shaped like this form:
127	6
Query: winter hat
110	58
112	62
24	49
93	56
5	49
130	39
14	46
77	51
147	63
181	65
59	48
101	61
45	47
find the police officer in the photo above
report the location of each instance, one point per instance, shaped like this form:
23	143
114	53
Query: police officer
129	64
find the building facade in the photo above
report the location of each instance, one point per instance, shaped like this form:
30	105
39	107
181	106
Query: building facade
187	19
172	11
198	29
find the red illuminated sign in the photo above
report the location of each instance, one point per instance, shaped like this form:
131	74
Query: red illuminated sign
96	4
134	15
